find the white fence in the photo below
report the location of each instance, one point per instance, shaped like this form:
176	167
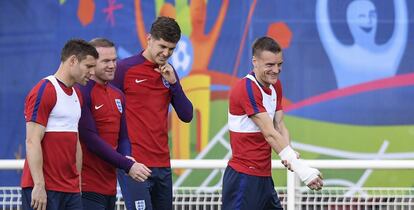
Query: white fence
293	192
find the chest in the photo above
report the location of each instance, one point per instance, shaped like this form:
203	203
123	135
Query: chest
270	101
143	85
106	104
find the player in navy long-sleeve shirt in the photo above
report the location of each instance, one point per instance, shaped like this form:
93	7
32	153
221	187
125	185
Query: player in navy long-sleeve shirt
150	85
103	134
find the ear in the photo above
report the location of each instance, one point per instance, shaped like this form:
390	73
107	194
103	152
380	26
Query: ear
254	61
73	60
149	38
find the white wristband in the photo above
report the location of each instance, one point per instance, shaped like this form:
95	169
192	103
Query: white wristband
305	173
288	154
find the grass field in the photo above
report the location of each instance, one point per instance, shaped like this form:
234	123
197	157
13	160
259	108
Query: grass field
349	138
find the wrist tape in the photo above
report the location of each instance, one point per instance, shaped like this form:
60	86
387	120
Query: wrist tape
305	173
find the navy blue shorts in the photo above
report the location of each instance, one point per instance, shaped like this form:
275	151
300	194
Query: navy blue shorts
97	201
153	194
245	192
55	200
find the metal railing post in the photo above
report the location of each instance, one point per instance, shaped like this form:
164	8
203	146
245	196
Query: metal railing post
291	190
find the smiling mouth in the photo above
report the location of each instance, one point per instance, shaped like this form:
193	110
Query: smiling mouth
366	29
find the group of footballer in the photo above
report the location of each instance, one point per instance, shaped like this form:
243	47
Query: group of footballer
98	120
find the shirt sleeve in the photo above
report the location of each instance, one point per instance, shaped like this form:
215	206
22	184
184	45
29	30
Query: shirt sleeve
182	105
251	99
40	102
119	78
124	144
88	134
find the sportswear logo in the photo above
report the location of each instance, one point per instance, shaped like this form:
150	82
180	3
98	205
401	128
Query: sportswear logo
139	81
98	107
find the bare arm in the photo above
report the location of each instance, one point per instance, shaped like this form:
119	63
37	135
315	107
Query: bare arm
279	125
280	144
275	139
34	136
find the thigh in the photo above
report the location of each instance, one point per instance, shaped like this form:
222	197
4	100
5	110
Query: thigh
55	200
136	194
161	191
92	201
27	198
243	191
235	187
274	201
111	200
72	201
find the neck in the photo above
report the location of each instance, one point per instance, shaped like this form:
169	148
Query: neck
147	55
99	81
62	74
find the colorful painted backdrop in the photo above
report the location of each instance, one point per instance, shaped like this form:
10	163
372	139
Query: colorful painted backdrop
348	74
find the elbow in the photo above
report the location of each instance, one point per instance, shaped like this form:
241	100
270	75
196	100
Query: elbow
30	142
268	136
188	117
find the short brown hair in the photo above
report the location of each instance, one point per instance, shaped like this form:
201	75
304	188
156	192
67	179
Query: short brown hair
101	42
166	28
265	44
78	47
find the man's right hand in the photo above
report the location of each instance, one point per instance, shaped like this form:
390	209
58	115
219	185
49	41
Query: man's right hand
39	197
310	176
139	172
316	183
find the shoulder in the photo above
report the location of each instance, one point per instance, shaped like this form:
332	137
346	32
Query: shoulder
43	87
84	91
246	85
116	90
85	88
40	101
129	62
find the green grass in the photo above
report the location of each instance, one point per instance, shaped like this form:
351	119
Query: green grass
364	139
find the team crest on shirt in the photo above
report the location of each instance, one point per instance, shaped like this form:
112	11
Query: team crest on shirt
140	205
166	83
118	104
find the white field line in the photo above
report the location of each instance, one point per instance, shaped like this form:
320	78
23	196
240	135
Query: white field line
219	138
367	173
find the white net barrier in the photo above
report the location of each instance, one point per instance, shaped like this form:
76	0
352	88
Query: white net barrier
10	198
330	198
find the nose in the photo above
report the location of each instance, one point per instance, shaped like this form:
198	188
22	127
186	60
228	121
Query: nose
92	71
112	64
166	52
277	69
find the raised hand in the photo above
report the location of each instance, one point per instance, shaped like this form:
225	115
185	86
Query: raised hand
167	72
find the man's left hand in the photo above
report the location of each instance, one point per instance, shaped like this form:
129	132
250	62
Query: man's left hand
167	72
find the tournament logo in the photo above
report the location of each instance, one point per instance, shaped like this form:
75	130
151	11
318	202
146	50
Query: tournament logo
118	104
